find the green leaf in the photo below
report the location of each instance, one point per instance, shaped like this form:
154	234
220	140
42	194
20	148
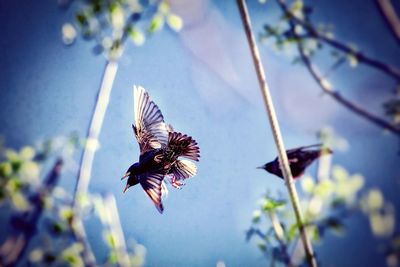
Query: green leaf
72	255
136	36
30	171
156	23
110	240
5	169
81	18
297	9
374	200
27	153
339	173
292	232
175	22
11	155
113	258
19	201
262	246
14	185
271	204
307	184
66	213
163	7
324	189
316	235
117	16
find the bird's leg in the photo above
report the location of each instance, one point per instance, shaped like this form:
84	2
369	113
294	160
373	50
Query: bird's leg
175	183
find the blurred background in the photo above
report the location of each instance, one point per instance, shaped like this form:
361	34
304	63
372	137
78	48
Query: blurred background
194	60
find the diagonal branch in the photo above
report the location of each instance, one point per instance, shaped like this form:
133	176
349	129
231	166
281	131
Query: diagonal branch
327	88
389	13
385	68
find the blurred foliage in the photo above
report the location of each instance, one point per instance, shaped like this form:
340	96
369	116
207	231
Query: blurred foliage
110	22
44	212
295	28
327	202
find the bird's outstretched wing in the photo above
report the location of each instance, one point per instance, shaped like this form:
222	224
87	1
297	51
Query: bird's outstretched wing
183	145
150	129
152	185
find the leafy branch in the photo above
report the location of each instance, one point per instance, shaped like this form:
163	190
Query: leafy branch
40	210
329	201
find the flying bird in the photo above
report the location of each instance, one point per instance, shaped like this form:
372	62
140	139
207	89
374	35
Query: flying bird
161	149
299	159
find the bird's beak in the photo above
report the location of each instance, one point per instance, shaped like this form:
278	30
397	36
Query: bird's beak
126	175
126	187
260	167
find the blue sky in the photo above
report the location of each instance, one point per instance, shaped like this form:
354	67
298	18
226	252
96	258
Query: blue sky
203	81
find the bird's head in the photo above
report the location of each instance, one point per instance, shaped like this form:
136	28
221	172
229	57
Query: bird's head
271	167
131	175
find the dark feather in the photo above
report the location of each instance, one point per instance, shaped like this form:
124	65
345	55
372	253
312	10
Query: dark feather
150	129
151	184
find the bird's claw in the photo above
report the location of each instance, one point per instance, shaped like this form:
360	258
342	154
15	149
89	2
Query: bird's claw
175	183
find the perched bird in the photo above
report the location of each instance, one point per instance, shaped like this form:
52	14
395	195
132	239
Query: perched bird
299	159
160	151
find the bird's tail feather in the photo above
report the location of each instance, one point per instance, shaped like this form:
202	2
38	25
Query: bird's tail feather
184	145
183	169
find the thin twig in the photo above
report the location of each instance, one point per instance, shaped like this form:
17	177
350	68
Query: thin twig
79	234
283	160
385	68
391	18
279	235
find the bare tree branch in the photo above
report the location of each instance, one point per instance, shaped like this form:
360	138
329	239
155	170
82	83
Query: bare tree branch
385	68
327	87
390	16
